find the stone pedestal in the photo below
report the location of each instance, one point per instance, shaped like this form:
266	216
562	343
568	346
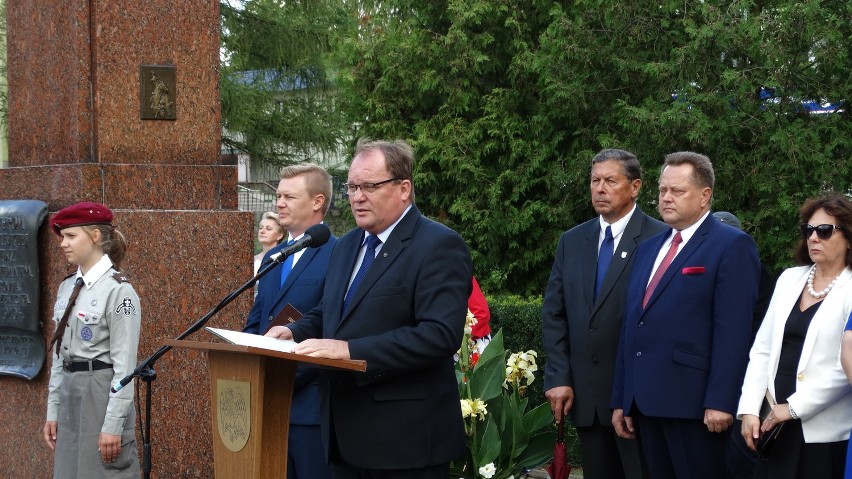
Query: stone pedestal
75	134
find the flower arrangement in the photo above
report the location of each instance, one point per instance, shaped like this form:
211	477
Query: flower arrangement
503	438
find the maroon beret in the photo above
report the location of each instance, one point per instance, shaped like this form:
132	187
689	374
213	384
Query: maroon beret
81	214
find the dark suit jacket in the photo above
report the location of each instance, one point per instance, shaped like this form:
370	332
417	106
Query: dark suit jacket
687	351
406	321
303	289
580	335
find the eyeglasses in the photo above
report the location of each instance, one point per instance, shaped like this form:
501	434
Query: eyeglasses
351	188
823	232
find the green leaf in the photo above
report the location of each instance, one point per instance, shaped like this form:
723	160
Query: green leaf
539	450
494	350
520	438
491	444
538	418
486	379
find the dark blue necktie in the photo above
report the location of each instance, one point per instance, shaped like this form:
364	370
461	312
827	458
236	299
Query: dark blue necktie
369	256
604	259
287	265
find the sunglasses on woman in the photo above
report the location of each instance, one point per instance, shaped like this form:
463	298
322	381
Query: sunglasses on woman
823	232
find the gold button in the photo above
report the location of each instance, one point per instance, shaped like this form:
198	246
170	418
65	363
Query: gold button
801	376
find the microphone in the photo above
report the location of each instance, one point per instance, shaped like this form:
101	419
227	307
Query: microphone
314	237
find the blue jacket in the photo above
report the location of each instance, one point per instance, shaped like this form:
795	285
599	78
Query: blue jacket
303	290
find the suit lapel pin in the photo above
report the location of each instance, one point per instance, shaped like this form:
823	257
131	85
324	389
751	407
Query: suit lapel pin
385	255
623	254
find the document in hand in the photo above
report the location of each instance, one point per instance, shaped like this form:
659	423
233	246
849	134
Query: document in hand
253	340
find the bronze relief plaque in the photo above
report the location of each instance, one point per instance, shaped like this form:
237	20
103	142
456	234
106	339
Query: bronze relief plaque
158	92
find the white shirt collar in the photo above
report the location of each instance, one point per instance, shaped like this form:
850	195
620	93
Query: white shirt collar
619	226
689	231
99	269
290	238
384	235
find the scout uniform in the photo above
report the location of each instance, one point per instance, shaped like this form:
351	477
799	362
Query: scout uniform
97	349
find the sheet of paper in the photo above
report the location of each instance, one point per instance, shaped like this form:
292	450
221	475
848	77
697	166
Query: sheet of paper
253	340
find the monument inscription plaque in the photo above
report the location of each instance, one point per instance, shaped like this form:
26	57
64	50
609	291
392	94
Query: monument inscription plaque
21	344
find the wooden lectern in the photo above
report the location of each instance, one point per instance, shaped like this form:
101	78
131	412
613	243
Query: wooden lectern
250	393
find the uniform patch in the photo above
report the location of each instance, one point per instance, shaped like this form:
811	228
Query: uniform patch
86	333
126	307
120	278
94	302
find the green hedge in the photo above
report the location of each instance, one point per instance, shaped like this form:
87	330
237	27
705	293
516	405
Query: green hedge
520	320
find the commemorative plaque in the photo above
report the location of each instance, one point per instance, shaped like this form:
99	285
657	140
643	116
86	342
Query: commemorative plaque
21	344
157	92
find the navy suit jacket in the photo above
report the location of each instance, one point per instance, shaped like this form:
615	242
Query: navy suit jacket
303	290
687	350
406	321
580	334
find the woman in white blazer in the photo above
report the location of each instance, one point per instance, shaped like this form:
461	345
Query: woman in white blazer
796	354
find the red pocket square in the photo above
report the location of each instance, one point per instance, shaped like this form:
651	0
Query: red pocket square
692	270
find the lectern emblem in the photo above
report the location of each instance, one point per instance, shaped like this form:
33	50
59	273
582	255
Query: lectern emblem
233	413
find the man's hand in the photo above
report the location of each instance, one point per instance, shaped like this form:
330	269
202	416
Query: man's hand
323	348
750	430
561	399
110	446
280	332
623	424
717	421
49	432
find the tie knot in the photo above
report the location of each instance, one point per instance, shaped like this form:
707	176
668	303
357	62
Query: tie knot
677	238
608	232
79	281
373	241
290	242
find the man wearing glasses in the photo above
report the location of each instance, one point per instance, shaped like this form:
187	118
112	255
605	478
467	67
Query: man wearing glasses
395	296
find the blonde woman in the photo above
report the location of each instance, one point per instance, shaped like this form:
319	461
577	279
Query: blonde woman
269	233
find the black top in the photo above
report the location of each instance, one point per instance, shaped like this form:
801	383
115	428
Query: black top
791	349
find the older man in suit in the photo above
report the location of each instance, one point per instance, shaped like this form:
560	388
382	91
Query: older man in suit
396	297
583	309
303	198
685	338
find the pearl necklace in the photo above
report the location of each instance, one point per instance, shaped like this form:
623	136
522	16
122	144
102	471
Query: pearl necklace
824	292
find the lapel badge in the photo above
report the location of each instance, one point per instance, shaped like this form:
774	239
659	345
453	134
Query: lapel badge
384	255
94	302
623	254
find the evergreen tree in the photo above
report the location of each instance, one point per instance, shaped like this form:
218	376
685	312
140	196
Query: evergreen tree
278	99
506	101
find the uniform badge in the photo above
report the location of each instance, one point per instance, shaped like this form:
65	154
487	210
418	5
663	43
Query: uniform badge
94	302
86	333
126	307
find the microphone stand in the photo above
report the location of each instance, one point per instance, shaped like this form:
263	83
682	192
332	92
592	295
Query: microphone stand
145	370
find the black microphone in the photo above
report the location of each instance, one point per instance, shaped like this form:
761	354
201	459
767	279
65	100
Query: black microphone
314	237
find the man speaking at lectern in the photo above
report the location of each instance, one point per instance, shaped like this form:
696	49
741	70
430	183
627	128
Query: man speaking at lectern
395	296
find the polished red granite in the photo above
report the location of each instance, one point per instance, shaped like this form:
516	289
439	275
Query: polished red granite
158	187
77	113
